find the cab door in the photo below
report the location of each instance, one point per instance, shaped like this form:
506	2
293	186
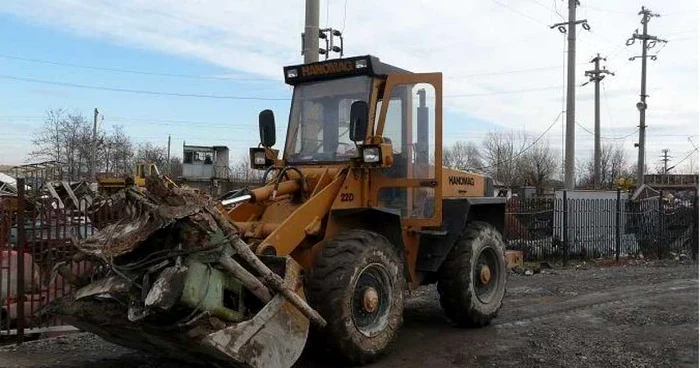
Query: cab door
410	117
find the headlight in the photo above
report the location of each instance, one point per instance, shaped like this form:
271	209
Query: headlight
371	155
259	158
360	63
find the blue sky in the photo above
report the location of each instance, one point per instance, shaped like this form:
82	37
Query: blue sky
213	121
144	117
483	61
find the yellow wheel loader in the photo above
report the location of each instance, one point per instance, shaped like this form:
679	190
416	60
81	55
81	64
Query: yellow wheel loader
355	210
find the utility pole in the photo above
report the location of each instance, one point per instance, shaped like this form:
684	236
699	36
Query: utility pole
665	158
309	38
93	161
596	75
648	42
169	165
570	148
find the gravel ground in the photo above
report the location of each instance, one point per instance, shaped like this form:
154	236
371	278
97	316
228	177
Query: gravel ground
641	315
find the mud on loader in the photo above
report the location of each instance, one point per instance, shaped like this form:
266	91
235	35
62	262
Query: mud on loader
353	214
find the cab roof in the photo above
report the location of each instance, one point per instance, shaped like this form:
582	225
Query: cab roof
339	68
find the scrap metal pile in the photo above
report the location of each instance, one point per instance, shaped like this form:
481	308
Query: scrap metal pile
172	277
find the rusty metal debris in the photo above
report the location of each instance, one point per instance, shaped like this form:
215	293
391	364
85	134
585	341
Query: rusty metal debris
173	277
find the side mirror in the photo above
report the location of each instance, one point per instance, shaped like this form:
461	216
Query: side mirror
266	124
359	111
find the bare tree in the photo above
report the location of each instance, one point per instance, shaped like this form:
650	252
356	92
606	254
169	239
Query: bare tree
49	140
241	170
538	165
462	156
117	152
65	137
150	153
502	153
613	165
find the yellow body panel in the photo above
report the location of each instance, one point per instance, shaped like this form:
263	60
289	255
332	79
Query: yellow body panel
458	183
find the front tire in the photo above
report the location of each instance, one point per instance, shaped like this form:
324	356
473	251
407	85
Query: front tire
357	285
472	280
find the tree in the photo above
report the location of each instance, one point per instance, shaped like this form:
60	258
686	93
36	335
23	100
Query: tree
150	153
49	140
118	152
538	165
241	171
613	165
462	156
501	153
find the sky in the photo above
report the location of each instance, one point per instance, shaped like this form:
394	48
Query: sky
201	71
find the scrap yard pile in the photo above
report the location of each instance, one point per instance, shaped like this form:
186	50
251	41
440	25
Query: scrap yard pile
172	277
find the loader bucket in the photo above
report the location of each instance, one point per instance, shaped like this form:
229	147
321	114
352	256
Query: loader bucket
174	279
274	337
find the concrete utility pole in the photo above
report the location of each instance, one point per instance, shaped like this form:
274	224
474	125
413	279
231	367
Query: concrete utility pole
311	32
169	165
93	161
665	158
570	149
648	42
596	75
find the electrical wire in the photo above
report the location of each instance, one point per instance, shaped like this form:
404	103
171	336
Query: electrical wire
132	71
345	15
506	72
684	158
524	149
534	89
602	137
520	13
229	97
138	91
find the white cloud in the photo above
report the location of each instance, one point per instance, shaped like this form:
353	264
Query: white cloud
456	37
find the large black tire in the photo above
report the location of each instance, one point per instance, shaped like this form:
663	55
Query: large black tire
337	287
465	298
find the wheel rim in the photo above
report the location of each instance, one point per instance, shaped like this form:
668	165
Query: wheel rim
486	275
371	300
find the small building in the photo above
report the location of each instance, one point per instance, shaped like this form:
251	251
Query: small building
206	168
672	181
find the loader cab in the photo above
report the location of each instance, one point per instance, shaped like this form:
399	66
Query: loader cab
398	139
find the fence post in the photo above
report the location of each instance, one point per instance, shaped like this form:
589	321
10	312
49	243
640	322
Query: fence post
21	243
617	227
661	233
565	229
694	233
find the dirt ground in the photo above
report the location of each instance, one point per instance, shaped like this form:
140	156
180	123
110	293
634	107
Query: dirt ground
643	315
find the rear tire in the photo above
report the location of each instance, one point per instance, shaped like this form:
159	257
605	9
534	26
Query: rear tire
472	280
357	285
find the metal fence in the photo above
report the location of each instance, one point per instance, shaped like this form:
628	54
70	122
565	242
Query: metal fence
563	228
36	232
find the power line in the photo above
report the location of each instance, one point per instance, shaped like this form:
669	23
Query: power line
139	91
506	72
606	10
524	90
520	13
133	71
611	138
684	158
345	15
229	97
191	76
526	148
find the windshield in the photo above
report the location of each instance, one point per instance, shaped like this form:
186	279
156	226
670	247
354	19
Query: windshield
319	123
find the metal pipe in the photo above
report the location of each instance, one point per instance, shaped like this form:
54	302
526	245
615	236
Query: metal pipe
228	202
